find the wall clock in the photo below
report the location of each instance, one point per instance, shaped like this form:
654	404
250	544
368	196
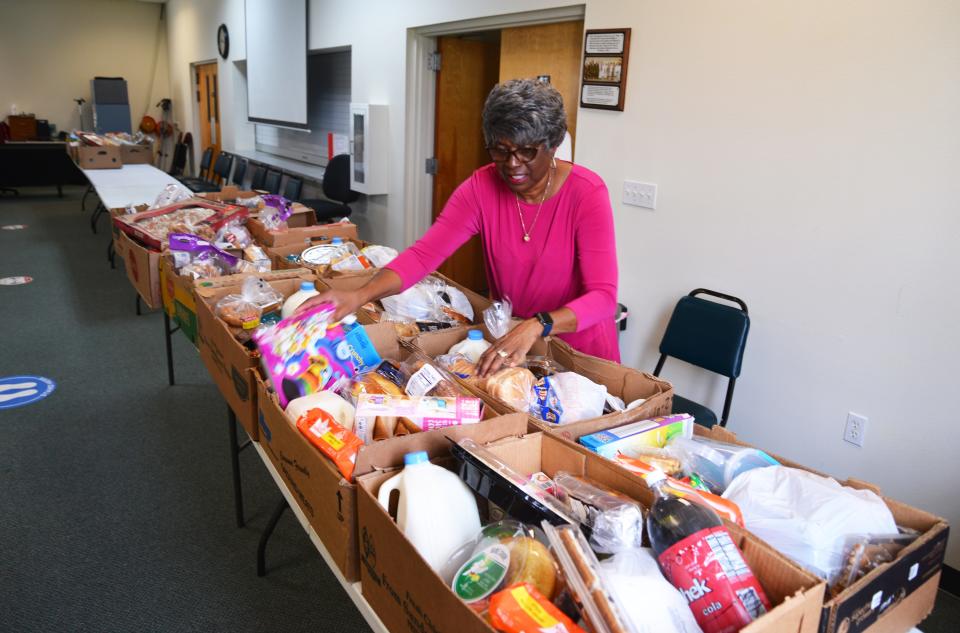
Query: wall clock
223	41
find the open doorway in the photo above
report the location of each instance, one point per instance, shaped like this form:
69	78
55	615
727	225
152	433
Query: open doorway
208	108
449	101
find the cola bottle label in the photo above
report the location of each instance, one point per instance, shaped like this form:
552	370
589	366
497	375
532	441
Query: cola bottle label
709	570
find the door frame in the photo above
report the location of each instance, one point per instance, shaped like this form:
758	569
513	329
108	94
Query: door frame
421	102
195	108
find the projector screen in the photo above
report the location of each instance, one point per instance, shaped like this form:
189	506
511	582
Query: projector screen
277	62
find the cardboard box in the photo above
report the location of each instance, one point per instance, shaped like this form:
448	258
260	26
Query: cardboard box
624	382
232	365
231	193
136	154
143	269
303	228
895	596
408	595
326	498
131	224
104	157
179	301
279	258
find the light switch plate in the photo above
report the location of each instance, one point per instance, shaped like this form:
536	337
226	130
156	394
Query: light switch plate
640	194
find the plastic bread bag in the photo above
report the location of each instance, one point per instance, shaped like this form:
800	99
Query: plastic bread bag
428	378
253	202
233	234
198	258
599	607
275	212
806	516
615	521
543	366
863	553
379	255
245	309
515	386
649	603
458	365
171	194
498	317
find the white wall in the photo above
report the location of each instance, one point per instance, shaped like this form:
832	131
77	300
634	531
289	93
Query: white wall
806	156
51	49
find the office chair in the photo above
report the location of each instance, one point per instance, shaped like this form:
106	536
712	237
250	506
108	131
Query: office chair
709	335
203	177
272	181
238	173
336	187
293	188
257	177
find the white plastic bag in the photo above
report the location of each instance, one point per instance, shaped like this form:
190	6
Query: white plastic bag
379	255
651	603
429	300
806	516
580	397
171	194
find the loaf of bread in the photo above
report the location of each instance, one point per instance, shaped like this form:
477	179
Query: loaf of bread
513	385
531	562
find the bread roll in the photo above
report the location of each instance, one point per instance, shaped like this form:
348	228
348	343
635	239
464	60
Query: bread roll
531	562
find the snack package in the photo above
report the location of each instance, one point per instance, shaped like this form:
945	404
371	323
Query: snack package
171	194
458	365
378	255
245	309
724	507
649	603
513	385
598	605
522	609
864	553
651	433
498	317
615	521
198	258
305	353
427	413
275	213
337	443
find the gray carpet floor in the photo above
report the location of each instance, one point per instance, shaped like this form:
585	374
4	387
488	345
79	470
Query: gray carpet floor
116	506
116	502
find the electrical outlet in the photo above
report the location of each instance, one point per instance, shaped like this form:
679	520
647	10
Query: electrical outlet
640	194
856	430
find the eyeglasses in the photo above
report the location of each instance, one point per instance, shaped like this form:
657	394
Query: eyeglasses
523	154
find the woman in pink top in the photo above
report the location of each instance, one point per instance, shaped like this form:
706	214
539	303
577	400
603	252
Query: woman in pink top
546	228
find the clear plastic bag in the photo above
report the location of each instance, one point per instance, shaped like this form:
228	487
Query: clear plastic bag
275	213
428	378
431	300
498	317
233	234
458	365
864	553
648	601
514	386
171	194
379	255
615	520
197	258
245	309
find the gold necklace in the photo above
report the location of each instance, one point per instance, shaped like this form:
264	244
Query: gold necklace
523	225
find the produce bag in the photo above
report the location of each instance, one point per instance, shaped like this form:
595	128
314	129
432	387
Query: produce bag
498	317
245	309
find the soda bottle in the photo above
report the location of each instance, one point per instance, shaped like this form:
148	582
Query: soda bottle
698	556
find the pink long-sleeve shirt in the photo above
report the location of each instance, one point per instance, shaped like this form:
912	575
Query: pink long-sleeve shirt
570	260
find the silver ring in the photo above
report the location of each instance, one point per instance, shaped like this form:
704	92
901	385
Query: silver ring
502	353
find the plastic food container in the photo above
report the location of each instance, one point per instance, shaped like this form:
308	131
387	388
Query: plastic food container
718	463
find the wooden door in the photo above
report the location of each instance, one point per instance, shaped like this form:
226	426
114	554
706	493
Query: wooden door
208	107
546	49
468	70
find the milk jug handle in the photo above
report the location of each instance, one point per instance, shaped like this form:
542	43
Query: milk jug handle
385	489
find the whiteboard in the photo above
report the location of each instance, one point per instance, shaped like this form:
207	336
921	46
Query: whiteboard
276	32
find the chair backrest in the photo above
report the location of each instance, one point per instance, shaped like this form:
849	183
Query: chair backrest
292	189
257	178
272	181
336	180
239	172
223	166
179	159
707	334
205	161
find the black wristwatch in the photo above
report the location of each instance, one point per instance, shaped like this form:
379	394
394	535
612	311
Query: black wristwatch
546	321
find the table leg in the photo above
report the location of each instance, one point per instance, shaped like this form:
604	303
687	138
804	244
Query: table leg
267	532
235	449
167	333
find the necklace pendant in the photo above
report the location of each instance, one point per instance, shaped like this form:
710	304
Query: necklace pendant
526	238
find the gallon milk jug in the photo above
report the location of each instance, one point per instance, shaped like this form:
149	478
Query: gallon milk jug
472	347
341	410
293	302
437	512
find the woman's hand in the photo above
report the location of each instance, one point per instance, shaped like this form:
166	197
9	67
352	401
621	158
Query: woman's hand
511	350
344	301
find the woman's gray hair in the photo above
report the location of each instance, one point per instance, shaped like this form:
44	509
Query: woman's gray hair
524	112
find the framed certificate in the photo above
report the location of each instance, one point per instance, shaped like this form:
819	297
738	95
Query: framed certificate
605	55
